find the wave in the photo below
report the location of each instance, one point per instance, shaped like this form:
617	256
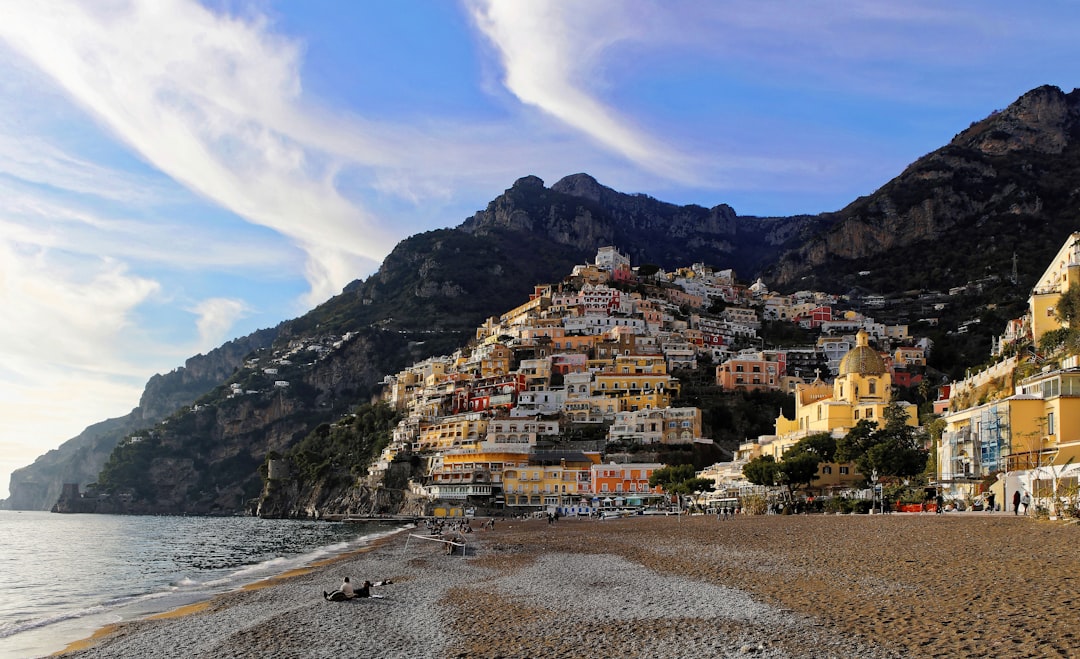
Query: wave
11	628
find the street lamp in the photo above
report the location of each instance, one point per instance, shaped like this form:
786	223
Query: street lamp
877	491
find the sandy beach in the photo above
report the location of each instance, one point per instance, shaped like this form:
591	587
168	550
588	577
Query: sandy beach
953	585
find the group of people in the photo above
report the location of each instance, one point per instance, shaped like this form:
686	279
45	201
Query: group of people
346	591
1020	500
438	527
727	512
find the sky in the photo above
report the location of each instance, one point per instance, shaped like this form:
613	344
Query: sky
175	174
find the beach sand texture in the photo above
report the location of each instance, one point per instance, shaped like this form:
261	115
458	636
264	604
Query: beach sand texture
953	585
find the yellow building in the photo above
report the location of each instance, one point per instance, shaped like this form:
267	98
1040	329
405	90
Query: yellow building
669	425
1059	424
553	478
1064	270
451	431
538	302
1024	436
475	470
861	391
495	360
639	382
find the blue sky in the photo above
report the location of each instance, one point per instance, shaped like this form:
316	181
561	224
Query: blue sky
176	174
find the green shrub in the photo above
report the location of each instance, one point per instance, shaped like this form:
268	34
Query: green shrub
862	506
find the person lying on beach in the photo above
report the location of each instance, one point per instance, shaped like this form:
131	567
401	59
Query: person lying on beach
365	590
346	592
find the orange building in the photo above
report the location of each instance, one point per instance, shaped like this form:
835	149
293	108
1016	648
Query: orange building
613	479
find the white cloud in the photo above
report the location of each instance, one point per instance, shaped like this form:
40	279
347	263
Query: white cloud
68	350
216	317
73	311
551	52
214	102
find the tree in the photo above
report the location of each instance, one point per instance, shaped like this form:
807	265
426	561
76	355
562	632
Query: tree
894	450
762	470
822	444
799	464
798	468
680	479
1067	309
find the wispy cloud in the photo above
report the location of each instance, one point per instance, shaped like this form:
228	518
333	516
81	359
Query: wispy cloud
75	311
216	316
214	102
552	53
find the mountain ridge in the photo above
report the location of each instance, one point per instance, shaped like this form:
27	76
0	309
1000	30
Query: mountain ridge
1003	184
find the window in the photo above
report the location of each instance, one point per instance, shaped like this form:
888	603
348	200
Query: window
856	415
826	469
1049	423
873	387
843	470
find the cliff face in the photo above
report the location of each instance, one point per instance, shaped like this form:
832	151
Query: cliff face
164	394
80	459
580	213
292	499
966	206
206	460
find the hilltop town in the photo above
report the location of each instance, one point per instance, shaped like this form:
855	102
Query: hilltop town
596	356
576	402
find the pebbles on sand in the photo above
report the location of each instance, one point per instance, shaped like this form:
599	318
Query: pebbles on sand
776	586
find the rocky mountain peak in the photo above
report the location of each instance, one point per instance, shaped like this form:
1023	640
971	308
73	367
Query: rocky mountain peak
1039	121
530	181
580	185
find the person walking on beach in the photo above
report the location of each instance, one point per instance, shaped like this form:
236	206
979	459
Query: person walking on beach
990	502
1016	502
1025	501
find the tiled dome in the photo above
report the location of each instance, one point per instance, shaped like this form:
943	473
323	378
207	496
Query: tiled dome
862	359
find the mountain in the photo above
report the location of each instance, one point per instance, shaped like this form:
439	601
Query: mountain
1005	185
427	298
78	460
956	216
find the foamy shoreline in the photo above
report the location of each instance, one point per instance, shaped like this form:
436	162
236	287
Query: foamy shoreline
445	606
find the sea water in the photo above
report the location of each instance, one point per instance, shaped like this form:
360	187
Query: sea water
64	576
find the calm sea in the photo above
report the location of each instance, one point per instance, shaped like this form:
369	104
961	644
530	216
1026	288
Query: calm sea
64	576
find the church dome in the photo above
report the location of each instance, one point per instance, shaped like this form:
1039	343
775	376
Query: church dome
862	359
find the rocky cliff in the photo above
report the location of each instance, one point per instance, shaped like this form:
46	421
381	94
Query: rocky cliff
207	459
80	459
580	213
1005	185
